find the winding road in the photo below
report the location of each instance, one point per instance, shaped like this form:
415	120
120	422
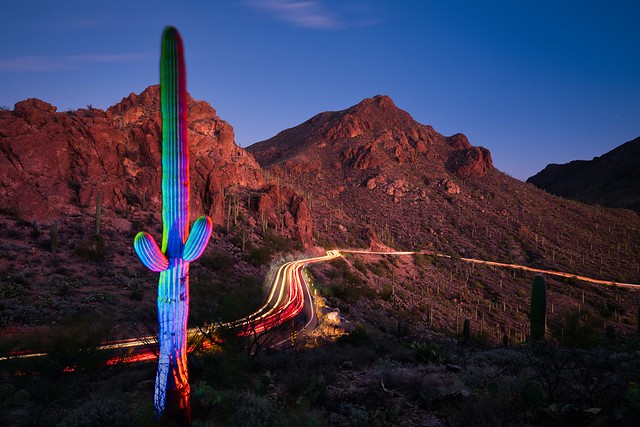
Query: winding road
289	296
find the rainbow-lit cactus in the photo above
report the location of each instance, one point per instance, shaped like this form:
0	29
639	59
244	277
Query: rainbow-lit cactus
179	247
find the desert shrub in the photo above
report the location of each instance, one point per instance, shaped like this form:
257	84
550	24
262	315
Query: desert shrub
424	260
136	292
218	260
13	289
102	297
360	266
428	352
259	255
102	412
578	332
358	337
94	248
279	243
386	293
380	268
350	293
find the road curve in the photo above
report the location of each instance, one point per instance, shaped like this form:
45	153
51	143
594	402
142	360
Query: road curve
289	295
503	265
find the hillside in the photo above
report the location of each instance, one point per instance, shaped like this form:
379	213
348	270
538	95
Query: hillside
54	164
388	347
373	170
611	180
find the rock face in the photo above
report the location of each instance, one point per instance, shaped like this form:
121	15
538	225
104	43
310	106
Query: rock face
54	163
374	177
372	135
470	162
371	165
612	179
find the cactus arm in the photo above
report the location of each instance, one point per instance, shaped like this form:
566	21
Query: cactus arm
198	238
178	247
175	152
149	252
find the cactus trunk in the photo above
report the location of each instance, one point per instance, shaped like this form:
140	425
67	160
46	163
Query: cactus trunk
538	311
98	211
466	330
172	378
179	247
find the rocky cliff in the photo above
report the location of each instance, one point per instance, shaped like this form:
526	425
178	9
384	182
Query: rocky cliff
53	164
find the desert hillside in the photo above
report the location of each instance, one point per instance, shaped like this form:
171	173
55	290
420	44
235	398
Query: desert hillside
611	180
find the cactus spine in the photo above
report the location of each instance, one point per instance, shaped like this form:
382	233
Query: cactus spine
179	246
538	310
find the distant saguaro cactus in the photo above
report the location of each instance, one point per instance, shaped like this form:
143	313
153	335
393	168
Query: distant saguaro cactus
538	310
179	247
466	330
98	211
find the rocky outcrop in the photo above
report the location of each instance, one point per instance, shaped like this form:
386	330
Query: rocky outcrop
470	162
285	211
54	164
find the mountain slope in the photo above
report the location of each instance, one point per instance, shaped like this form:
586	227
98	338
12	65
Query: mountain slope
612	179
54	164
371	171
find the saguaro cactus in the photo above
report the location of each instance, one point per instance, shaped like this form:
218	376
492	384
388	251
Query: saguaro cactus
179	247
538	310
466	331
98	211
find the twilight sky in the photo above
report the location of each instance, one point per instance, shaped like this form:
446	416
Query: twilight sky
536	82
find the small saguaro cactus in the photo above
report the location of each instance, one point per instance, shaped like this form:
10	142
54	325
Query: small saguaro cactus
179	247
466	330
538	310
98	211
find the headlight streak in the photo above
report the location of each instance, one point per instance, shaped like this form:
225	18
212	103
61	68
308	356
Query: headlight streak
286	300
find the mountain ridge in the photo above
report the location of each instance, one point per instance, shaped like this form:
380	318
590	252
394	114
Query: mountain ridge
612	179
371	170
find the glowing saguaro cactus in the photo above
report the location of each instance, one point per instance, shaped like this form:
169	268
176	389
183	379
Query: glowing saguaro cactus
179	247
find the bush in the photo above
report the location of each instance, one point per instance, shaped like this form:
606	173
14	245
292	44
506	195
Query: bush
218	260
94	248
259	256
360	266
428	352
358	337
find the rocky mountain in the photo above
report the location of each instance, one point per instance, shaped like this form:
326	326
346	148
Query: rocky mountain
371	171
612	179
389	345
53	164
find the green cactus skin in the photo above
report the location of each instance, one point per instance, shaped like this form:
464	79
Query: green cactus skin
538	311
466	330
179	246
98	211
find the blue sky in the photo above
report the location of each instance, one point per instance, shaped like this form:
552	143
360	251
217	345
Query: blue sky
536	82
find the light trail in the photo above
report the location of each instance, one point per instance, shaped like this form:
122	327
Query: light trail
504	265
289	294
286	299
